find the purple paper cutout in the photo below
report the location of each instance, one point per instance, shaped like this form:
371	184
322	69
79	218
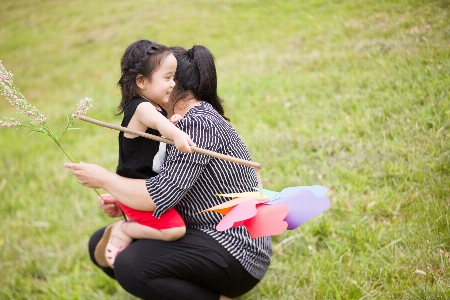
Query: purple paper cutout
318	190
303	206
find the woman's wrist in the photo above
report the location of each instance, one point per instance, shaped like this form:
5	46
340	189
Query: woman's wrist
109	180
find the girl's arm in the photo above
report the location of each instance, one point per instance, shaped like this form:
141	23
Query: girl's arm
147	114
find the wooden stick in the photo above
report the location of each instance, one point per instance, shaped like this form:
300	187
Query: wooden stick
260	188
167	141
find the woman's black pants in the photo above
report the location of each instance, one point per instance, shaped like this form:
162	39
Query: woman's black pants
193	267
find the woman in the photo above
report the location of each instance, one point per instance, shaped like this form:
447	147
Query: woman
205	263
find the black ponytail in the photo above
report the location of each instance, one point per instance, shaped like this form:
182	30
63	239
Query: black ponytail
196	73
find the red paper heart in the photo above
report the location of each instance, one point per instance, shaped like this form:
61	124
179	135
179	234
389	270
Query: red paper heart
269	220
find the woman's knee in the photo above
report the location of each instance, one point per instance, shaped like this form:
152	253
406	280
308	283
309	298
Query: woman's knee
129	265
130	273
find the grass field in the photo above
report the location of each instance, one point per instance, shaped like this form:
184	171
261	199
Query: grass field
353	95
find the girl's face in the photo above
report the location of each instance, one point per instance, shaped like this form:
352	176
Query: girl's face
157	89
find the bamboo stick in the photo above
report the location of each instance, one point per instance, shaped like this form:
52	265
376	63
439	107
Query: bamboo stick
167	141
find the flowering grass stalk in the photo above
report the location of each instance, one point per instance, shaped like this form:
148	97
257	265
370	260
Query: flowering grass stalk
34	121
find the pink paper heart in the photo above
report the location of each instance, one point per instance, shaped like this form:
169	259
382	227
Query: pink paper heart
240	212
269	220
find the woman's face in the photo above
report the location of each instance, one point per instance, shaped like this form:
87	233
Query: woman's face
160	85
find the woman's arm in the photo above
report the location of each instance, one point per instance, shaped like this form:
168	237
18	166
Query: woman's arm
131	192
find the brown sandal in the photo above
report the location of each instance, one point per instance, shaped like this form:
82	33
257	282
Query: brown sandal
105	252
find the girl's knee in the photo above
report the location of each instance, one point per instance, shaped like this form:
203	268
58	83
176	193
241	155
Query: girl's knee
173	234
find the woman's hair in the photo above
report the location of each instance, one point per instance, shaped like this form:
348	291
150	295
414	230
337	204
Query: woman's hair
142	57
196	73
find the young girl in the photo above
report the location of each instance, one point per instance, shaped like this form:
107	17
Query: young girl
148	69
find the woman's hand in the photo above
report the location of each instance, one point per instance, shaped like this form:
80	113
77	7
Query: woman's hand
129	191
110	205
89	175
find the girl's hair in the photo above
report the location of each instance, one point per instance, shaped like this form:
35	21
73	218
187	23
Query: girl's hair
196	73
142	57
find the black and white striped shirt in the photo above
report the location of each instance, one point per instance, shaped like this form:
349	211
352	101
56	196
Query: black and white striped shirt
190	182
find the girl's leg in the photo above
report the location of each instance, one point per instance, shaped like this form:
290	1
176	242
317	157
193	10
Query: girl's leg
193	267
93	242
139	231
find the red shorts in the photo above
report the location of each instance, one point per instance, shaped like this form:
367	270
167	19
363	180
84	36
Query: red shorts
169	219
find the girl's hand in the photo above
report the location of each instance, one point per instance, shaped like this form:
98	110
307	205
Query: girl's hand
181	139
175	118
110	205
183	142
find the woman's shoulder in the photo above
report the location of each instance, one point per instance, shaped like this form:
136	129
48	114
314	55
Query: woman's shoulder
203	120
205	112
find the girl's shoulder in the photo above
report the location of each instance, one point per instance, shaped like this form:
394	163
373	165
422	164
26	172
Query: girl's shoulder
137	99
133	103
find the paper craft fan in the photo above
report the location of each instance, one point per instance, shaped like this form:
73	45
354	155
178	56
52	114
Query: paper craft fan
274	212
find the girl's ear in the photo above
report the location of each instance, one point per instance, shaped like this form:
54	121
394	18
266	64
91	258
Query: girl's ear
140	81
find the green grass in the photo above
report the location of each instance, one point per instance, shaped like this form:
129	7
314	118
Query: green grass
353	95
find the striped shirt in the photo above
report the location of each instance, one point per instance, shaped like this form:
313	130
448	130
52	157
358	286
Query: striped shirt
190	182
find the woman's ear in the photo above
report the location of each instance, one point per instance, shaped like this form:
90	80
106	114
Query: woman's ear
140	81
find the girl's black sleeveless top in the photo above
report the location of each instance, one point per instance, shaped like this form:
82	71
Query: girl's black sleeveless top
136	155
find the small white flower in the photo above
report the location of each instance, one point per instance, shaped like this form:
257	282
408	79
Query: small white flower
420	272
82	108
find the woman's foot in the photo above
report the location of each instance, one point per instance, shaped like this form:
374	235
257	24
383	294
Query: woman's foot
111	244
